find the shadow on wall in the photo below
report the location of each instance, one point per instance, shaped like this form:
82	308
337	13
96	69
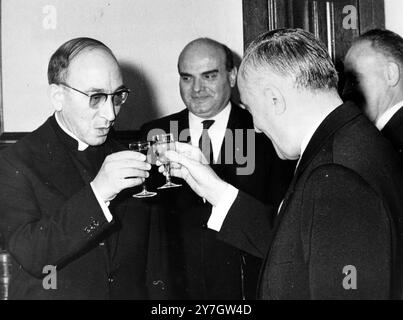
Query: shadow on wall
140	106
235	93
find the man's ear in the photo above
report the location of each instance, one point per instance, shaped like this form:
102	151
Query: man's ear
56	96
392	73
275	98
232	76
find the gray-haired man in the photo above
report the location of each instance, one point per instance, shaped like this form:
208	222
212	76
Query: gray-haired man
338	220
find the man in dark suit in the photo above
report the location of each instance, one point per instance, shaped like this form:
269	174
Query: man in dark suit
65	214
373	71
190	262
336	234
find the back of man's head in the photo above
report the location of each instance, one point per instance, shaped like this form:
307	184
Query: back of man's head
294	54
61	58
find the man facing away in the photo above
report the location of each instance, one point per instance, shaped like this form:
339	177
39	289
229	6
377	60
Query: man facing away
336	235
197	265
373	68
68	225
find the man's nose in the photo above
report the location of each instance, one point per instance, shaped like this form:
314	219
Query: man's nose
197	85
108	110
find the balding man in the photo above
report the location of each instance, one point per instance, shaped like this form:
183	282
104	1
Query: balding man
199	265
374	80
71	228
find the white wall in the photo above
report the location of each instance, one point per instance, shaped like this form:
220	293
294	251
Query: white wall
393	16
146	36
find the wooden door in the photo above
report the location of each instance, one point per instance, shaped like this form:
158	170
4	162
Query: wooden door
335	22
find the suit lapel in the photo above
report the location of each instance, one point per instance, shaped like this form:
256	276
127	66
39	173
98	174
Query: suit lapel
235	121
61	171
231	125
57	166
183	124
113	233
332	123
394	130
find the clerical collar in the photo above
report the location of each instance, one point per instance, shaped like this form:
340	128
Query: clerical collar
81	145
387	115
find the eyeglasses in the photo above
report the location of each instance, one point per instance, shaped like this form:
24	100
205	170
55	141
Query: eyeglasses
97	99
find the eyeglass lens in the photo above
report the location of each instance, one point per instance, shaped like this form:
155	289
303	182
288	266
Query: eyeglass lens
118	98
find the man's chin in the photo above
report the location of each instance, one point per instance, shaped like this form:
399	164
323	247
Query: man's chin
97	141
282	155
205	110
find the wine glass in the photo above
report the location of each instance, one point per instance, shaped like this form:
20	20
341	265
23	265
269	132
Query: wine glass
143	147
163	143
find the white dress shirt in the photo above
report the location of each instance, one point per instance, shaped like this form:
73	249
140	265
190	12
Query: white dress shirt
81	147
216	132
387	115
220	211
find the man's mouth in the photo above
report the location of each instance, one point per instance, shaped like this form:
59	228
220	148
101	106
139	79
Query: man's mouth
200	98
103	131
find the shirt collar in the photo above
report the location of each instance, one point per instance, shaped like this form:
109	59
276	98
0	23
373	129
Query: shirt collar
387	115
216	132
81	145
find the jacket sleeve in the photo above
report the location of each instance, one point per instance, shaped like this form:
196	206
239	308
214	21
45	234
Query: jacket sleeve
248	225
37	237
348	236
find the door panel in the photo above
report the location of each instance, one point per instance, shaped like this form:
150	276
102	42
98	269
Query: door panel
335	22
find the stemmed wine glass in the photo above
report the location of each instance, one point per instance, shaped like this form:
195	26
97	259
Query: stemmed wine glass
163	143
143	147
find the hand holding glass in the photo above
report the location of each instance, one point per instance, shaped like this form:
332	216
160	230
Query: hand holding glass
143	147
163	143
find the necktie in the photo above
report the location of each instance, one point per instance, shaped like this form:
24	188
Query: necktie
205	142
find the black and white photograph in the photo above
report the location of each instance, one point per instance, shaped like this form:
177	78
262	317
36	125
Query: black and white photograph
200	155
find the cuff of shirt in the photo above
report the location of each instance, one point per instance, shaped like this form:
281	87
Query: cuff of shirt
220	211
104	205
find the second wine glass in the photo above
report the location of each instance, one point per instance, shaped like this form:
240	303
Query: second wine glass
163	143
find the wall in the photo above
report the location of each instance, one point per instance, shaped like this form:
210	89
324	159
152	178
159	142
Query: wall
393	16
146	36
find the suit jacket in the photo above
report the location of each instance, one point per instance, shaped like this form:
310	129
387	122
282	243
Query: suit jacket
49	216
394	132
189	261
342	209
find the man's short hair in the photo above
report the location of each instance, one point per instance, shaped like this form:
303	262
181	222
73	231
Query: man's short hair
60	60
293	53
387	42
229	57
